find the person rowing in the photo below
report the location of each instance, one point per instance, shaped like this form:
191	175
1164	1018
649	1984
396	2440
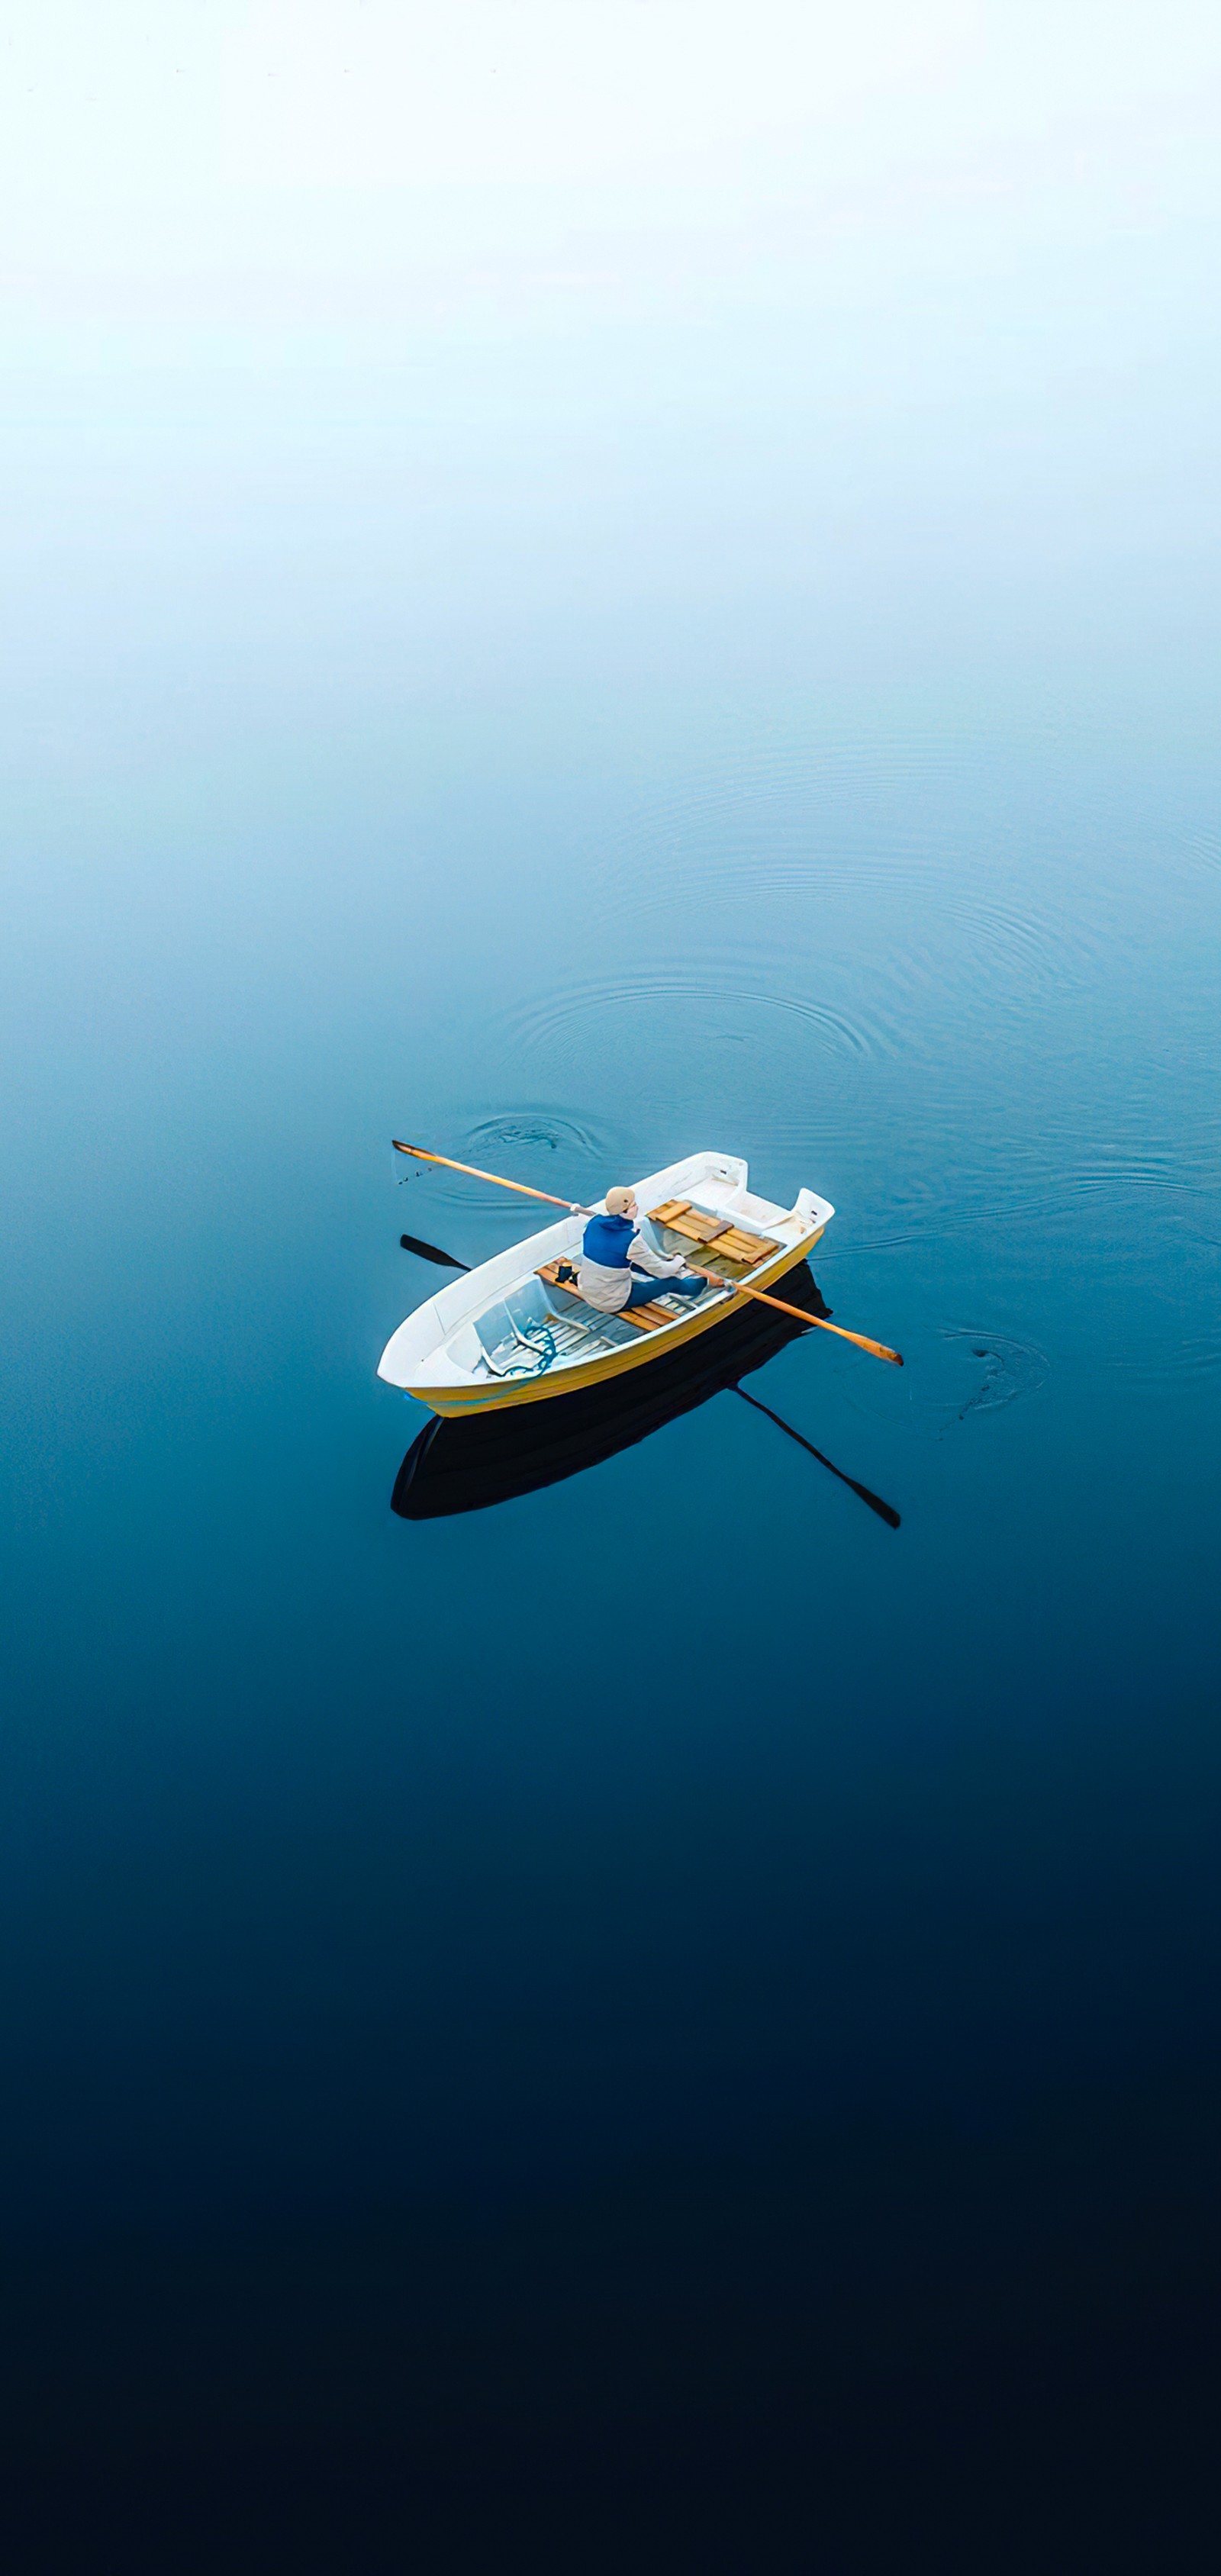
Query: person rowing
615	1254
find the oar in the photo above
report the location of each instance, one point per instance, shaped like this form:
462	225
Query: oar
431	1252
885	1511
739	1288
473	1173
735	1287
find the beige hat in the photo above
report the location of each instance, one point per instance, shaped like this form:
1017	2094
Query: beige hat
618	1201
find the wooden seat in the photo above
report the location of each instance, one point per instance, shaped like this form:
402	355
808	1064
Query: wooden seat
645	1319
746	1249
682	1218
719	1235
550	1272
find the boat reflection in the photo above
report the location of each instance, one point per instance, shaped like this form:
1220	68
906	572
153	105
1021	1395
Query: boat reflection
466	1466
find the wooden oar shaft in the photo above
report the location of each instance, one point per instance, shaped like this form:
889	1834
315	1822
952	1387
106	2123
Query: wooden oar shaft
473	1173
739	1288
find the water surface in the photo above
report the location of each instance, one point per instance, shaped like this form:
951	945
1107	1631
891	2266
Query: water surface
666	2021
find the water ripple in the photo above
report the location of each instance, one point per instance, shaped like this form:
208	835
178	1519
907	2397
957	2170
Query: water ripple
811	828
942	1201
957	1375
547	1131
1002	1367
556	1023
552	1149
1203	848
1195	1355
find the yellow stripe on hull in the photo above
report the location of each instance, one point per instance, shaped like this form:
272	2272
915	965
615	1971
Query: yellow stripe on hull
455	1402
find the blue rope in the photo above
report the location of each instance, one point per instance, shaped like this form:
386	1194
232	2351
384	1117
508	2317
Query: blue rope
543	1351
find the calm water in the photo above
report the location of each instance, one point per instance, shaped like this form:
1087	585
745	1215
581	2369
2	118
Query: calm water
664	2023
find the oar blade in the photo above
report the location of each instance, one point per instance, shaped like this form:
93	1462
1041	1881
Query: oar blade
820	1323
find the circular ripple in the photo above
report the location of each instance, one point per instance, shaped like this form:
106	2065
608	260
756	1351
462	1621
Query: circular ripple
902	865
557	1025
1000	1366
962	1373
549	1149
545	1131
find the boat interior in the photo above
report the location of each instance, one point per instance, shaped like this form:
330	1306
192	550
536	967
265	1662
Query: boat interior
542	1320
520	1315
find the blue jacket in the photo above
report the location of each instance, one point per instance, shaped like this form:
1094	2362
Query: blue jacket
606	1239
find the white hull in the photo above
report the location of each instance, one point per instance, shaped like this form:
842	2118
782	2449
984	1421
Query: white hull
500	1336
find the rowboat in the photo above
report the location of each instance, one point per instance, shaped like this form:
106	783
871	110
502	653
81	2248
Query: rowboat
515	1331
470	1466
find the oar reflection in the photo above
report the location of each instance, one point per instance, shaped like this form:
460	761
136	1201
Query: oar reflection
431	1252
885	1511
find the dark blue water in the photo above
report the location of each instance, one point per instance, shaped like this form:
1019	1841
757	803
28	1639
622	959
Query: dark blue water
663	2023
